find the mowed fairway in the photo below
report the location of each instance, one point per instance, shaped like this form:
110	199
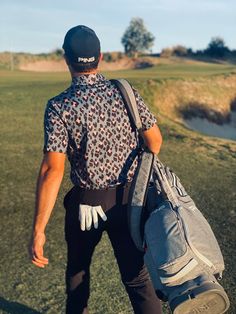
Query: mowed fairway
206	167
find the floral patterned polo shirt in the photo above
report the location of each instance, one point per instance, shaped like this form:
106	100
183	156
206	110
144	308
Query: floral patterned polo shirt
89	122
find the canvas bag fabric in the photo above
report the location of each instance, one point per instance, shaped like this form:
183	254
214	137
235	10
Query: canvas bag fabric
179	243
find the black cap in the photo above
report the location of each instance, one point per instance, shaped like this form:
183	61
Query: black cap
81	45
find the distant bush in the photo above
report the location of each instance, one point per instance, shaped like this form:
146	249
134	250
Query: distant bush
12	60
180	51
112	56
233	52
166	52
177	51
58	52
216	48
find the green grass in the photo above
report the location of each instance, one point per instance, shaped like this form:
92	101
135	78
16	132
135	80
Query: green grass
161	71
173	71
206	167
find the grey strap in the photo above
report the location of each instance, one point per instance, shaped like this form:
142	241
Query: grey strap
129	97
133	109
164	183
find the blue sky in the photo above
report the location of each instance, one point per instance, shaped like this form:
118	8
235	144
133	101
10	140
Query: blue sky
40	25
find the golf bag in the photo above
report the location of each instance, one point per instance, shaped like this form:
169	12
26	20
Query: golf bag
181	252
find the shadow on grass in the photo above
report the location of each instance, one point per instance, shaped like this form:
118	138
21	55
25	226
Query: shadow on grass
15	307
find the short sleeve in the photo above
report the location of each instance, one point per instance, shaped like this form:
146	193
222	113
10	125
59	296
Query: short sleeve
55	133
147	118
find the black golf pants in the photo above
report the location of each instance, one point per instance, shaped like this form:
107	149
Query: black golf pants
81	245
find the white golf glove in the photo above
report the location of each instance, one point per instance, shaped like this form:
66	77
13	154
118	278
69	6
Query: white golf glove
88	215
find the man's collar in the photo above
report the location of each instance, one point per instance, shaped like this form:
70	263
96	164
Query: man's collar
88	79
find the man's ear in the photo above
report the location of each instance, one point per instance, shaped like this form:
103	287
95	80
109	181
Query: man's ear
100	57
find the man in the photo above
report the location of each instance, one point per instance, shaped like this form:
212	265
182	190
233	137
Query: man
89	123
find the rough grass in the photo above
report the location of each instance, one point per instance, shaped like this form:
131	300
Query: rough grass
211	97
206	167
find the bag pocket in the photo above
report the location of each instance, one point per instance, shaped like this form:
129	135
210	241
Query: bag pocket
197	230
164	236
168	256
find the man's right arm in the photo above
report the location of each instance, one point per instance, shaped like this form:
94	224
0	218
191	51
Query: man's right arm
150	131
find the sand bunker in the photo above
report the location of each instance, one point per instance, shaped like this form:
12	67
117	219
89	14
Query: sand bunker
226	130
60	66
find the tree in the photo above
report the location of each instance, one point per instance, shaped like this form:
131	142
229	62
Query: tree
58	52
137	38
217	48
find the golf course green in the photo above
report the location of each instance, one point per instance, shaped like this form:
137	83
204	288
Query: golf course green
206	166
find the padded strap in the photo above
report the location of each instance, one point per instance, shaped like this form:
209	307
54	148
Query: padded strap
129	99
131	105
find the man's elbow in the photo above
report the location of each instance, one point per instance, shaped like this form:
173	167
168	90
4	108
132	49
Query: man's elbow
53	165
153	139
156	146
54	173
51	173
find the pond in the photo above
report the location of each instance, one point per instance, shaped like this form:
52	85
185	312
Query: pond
226	130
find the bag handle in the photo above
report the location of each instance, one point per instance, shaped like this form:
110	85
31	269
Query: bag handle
131	105
164	183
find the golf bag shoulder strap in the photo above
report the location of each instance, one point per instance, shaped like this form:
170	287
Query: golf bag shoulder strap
128	96
131	105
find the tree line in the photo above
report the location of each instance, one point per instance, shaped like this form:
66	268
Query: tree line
137	39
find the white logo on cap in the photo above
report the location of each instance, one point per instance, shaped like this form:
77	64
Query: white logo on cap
85	60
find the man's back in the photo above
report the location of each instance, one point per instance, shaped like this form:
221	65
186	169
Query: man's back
89	121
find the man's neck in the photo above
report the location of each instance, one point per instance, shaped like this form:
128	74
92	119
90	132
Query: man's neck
76	74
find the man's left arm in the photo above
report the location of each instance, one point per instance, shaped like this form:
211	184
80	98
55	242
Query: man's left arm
48	184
